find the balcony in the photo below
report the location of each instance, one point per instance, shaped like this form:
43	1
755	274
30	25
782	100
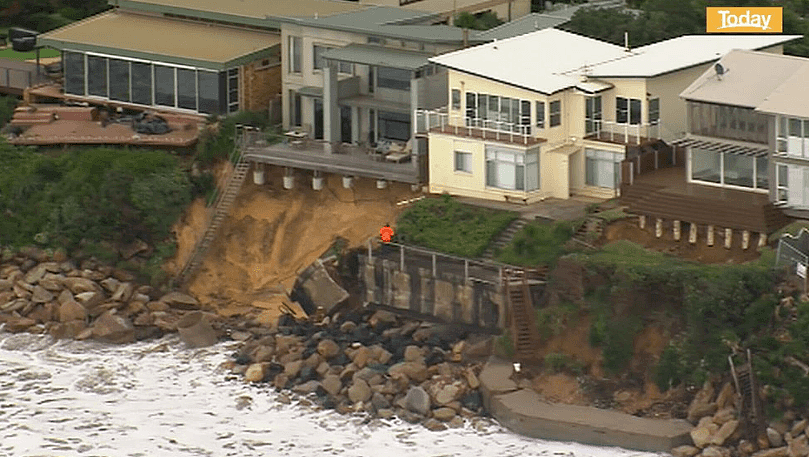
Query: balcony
440	121
613	132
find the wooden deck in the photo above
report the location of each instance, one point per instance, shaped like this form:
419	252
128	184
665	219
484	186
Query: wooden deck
665	194
510	138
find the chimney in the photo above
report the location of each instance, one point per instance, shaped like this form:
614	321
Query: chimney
465	38
626	41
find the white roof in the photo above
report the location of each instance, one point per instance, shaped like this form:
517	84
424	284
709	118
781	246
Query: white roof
534	61
551	60
683	52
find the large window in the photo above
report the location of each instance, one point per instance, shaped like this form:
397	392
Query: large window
186	89
729	169
463	161
119	80
540	109
592	115
393	78
556	113
97	76
164	85
781	183
295	45
602	168
798	189
731	122
233	90
793	136
74	72
394	126
499	113
738	170
511	169
456	99
141	83
208	89
317	56
627	110
654	111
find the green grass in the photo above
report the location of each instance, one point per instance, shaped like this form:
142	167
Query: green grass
612	215
9	53
793	229
538	243
445	225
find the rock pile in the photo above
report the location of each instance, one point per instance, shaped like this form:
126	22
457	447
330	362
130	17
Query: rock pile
368	362
718	432
41	293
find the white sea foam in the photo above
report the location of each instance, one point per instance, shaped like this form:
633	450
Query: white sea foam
71	398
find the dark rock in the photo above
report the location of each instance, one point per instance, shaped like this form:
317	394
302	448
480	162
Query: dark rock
329	402
472	401
435	356
417	400
379	401
307	374
148	332
340	359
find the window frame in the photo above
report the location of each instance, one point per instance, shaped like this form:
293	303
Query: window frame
654	114
463	166
593	114
295	58
539	110
555	113
455	99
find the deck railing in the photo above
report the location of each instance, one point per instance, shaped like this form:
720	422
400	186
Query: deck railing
426	120
627	133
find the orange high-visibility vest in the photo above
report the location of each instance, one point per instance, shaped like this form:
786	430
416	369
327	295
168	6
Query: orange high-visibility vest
386	233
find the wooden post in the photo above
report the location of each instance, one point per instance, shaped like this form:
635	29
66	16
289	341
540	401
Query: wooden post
370	254
433	265
745	239
710	235
692	233
659	227
762	239
465	271
642	221
676	230
728	237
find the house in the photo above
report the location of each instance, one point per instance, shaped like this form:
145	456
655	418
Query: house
507	10
556	122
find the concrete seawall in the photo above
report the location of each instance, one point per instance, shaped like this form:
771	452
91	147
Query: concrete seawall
525	412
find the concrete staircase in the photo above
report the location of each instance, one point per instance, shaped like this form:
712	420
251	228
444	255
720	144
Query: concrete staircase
504	238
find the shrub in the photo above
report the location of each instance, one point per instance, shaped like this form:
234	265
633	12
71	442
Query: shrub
213	146
504	344
668	372
556	362
538	243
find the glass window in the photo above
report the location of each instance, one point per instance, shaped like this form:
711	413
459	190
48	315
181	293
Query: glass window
493	113
119	80
317	56
705	165
634	111
394	126
345	68
531	171
794	127
505	113
141	83
592	115
295	44
654	110
393	78
525	117
97	76
208	87
602	168
471	107
463	161
456	99
186	89
540	109
233	90
782	189
74	72
370	79
506	169
556	113
762	173
621	110
738	170
164	85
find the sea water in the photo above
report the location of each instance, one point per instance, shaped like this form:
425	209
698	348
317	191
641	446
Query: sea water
158	398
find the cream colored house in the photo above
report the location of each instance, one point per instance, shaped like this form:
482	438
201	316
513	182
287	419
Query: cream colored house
550	113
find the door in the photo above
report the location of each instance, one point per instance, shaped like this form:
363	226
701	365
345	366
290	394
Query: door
345	124
318	119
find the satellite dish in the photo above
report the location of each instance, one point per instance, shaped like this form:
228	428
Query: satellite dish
720	70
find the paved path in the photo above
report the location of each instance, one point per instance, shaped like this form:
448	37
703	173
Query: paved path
525	412
551	208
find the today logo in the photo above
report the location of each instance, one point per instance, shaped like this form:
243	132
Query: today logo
744	20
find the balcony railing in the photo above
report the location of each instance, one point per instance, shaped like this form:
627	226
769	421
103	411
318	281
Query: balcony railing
487	129
624	133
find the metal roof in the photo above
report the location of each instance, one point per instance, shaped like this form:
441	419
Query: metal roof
523	25
378	56
138	36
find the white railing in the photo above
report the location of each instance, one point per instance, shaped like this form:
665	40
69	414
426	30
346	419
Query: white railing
610	129
426	120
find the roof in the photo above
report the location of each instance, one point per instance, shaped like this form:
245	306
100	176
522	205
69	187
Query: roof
378	56
683	52
167	40
553	53
392	22
523	25
779	89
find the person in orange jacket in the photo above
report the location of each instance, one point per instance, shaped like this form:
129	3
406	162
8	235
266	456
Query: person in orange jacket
386	233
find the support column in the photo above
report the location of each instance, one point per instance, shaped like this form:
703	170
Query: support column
416	87
711	231
745	239
642	222
728	238
676	230
692	233
355	124
658	227
331	112
762	240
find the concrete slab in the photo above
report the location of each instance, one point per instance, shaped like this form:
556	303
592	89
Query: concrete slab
551	208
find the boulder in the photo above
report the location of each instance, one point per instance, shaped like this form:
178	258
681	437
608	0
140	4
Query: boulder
110	284
332	384
124	292
41	295
725	397
263	353
359	391
328	349
434	425
417	400
112	328
321	290
35	274
348	327
725	431
18	324
701	436
773	452
702	406
413	354
51	285
362	356
157	306
379	401
79	285
414	371
70	330
91	299
281	380
291	369
179	300
71	310
799	447
798	427
724	415
14	305
471	379
133	249
715	451
746	448
194	329
254	373
5	285
444	414
684	451
774	437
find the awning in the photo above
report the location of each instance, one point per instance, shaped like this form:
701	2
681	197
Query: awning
721	147
311	91
378	56
174	41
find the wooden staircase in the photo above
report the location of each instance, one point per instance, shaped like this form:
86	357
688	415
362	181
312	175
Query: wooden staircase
219	211
752	408
523	325
504	238
591	225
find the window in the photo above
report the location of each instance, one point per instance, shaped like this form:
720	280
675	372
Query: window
233	90
781	183
592	115
738	170
164	85
706	165
471	108
540	109
456	99
507	168
762	172
797	178
295	108
602	168
346	68
463	161
654	110
525	117
97	76
394	126
186	89
317	56
729	169
74	72
732	122
295	45
376	40
634	111
142	83
393	78
208	89
119	80
556	113
627	110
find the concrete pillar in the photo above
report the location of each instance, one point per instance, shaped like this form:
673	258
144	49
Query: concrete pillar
355	124
416	87
762	240
658	227
711	231
642	221
728	237
745	239
381	184
676	230
348	181
258	174
692	233
289	179
331	112
317	181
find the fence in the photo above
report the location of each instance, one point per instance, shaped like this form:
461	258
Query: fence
609	129
20	79
642	160
793	250
427	120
